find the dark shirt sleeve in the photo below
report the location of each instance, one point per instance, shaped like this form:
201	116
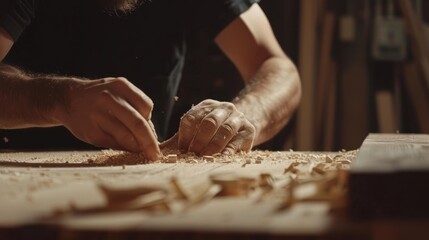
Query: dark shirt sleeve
16	15
214	15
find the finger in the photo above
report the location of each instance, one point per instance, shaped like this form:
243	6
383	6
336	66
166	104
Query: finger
189	124
137	125
170	144
224	135
134	96
242	141
100	138
121	134
153	128
207	129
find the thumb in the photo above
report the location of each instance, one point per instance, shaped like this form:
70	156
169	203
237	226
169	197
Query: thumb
172	143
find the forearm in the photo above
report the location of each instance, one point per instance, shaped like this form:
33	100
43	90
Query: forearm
30	101
270	98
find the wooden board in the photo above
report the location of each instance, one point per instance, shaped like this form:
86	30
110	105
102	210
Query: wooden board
42	200
389	177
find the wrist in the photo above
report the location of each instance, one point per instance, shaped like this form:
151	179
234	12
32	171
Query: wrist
54	106
246	104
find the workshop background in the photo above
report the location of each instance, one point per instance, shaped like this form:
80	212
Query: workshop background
360	68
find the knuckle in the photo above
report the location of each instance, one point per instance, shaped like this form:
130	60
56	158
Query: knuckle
138	124
241	116
119	82
187	120
229	106
105	95
210	123
208	102
227	129
150	104
104	80
122	79
250	128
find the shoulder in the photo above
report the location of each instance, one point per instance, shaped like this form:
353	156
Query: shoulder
16	15
215	15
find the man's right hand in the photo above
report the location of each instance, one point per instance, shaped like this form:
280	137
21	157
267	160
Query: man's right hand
112	113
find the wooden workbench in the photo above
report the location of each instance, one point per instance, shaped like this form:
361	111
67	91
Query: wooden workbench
62	195
40	192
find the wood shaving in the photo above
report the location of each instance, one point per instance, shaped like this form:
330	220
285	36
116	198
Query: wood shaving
326	173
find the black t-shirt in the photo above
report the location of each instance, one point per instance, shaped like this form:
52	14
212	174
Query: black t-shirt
77	38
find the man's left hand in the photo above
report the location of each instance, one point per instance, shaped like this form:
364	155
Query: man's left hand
212	127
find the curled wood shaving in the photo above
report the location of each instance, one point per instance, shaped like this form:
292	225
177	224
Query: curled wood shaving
326	174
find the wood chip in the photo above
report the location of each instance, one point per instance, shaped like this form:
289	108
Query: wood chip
291	168
115	194
266	181
328	159
344	161
229	183
179	190
319	169
208	158
207	195
192	161
171	158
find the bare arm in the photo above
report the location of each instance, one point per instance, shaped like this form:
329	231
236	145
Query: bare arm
19	91
273	88
108	112
262	108
30	101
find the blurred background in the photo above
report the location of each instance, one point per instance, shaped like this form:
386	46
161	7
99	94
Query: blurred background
363	64
364	67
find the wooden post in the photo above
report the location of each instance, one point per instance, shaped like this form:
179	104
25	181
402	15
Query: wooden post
418	39
307	68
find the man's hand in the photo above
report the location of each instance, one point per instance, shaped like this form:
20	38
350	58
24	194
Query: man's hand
113	113
212	127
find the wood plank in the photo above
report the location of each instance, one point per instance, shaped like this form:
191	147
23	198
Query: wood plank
353	82
386	111
331	110
29	196
307	69
324	83
417	33
389	177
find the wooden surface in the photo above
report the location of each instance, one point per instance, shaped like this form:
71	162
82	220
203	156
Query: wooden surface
389	177
62	195
50	191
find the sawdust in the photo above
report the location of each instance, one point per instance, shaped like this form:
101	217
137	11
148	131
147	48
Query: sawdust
309	177
119	158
